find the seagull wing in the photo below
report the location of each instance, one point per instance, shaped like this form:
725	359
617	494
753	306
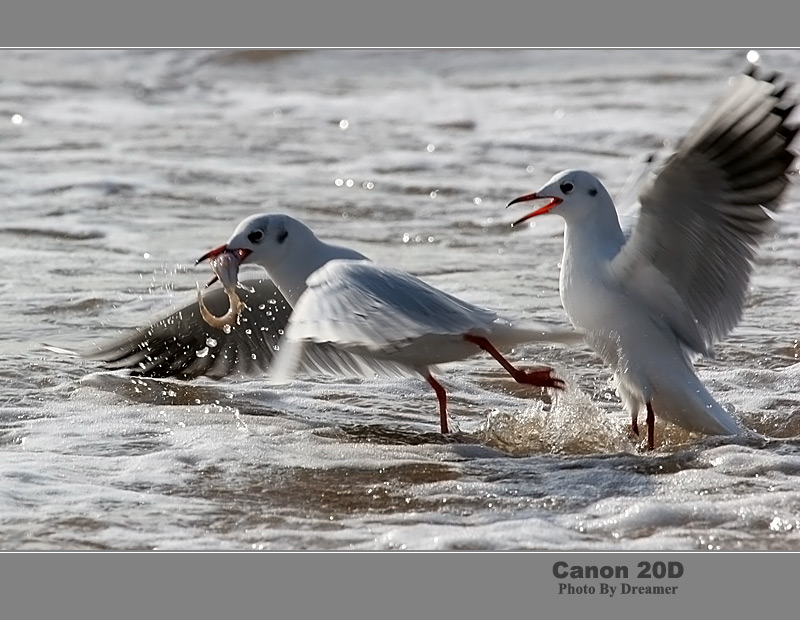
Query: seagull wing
691	253
356	306
183	345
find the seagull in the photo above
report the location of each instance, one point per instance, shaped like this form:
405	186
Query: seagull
337	313
652	298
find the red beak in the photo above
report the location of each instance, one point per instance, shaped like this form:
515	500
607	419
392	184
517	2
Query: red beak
241	254
212	254
540	211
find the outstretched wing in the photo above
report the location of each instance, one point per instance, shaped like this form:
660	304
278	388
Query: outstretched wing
372	310
360	304
691	253
184	346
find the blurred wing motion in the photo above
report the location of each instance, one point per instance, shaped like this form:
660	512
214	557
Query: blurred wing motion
386	321
690	253
183	345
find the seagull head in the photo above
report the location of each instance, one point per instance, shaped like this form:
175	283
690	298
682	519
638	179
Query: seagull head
573	194
264	239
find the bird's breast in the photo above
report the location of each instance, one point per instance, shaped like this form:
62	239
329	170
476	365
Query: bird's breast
589	293
587	296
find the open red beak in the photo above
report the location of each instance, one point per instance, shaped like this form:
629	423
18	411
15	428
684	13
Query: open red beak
541	210
241	254
212	254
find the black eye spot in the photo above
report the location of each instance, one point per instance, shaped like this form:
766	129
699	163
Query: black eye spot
256	236
593	192
282	236
566	187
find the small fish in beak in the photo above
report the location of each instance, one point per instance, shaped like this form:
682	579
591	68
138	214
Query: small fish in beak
225	265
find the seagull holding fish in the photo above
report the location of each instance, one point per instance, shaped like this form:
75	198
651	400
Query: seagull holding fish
650	300
342	314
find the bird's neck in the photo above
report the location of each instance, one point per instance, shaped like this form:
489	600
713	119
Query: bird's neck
595	238
590	244
290	275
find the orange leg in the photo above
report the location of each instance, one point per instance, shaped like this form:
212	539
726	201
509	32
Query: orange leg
442	396
651	427
542	377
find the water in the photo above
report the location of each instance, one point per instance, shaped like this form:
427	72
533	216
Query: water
119	168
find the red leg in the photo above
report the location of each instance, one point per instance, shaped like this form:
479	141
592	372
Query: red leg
542	377
442	396
651	427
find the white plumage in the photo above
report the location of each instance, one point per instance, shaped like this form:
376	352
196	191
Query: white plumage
392	320
678	283
341	313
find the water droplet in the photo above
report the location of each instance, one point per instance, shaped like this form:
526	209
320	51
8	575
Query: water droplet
338	182
17	119
431	148
343	124
202	352
211	342
753	56
349	182
477	200
227	329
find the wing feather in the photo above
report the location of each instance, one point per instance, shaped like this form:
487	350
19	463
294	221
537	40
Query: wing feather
360	304
352	309
184	346
703	215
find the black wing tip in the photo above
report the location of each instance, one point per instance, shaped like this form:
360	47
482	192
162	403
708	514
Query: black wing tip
776	78
784	112
757	72
788	133
781	92
783	106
